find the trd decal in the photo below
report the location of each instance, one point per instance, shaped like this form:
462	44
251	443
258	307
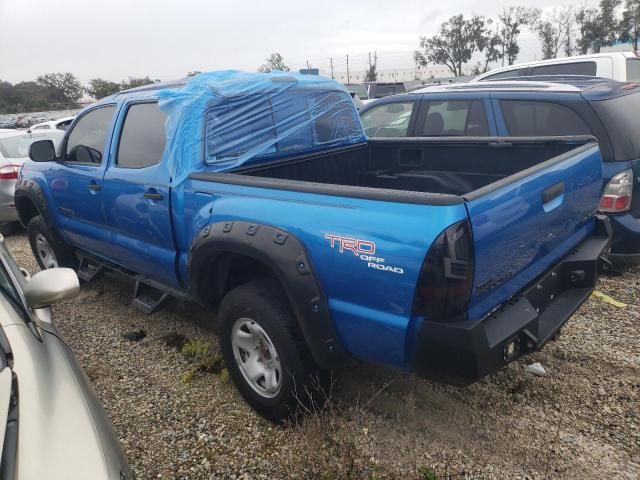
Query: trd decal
363	249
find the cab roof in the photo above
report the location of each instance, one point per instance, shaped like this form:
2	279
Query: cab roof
592	88
501	85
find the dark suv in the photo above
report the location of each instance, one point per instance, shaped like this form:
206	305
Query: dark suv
605	109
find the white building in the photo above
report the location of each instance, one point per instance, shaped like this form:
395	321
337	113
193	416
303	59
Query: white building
395	75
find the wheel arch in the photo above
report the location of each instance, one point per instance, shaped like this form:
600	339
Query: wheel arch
30	202
265	250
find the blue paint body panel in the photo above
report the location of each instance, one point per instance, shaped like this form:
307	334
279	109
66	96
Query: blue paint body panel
516	237
371	310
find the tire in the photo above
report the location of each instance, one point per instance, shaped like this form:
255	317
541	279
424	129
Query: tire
257	313
49	252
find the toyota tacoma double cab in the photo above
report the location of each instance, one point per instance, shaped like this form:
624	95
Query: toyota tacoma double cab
259	196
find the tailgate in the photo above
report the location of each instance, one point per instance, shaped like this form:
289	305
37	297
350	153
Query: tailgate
525	223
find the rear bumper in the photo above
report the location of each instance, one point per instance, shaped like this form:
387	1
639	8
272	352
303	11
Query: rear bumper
8	212
464	352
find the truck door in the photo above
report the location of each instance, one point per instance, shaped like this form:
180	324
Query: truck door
136	195
75	182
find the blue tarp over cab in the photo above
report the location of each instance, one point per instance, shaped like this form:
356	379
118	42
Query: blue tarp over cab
220	121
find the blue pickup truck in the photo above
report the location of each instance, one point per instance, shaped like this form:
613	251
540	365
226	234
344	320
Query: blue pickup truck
260	196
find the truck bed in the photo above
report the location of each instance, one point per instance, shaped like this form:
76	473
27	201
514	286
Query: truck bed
435	165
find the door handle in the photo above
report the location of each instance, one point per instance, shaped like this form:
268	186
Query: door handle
553	192
152	194
95	187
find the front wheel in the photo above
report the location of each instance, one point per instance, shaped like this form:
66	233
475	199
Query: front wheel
48	252
266	355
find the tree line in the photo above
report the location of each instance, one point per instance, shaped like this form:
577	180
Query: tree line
58	91
565	31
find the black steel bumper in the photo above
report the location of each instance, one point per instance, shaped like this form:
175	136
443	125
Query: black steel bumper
465	351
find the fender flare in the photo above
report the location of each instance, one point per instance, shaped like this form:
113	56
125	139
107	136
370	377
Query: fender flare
33	191
286	256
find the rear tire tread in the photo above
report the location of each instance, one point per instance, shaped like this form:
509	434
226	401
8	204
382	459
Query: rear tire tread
305	386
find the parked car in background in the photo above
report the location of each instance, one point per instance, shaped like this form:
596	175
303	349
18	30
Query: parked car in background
8	121
14	150
383	89
603	108
51	423
60	124
359	89
621	66
316	245
356	101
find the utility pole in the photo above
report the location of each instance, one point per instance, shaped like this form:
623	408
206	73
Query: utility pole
331	59
503	40
348	77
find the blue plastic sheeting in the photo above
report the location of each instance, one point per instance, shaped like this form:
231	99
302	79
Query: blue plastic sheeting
222	120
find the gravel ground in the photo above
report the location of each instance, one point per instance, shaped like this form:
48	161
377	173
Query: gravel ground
581	420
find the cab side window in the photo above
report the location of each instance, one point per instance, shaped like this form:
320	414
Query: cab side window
86	141
143	137
388	120
456	118
541	119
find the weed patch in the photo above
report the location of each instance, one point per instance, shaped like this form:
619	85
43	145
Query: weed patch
201	354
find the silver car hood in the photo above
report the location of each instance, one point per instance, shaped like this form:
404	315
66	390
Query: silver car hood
63	431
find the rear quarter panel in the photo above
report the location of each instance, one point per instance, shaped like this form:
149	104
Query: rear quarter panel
371	308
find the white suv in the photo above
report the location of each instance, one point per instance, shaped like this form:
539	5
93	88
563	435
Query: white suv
622	66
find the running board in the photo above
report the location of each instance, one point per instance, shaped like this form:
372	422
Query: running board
88	269
147	298
148	295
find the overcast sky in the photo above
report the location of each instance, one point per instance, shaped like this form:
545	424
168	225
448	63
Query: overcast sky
168	38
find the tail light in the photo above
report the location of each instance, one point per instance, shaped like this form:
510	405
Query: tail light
9	172
617	194
444	286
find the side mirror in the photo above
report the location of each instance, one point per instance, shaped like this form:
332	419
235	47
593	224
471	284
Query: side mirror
42	151
50	286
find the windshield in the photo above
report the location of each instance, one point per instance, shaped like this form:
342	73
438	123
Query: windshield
18	146
359	90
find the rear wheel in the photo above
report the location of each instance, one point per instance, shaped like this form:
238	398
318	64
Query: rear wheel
266	355
49	253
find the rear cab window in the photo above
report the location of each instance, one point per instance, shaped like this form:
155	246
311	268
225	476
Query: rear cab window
253	127
524	118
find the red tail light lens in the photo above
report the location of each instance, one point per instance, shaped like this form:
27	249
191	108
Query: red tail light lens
618	193
9	172
444	286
